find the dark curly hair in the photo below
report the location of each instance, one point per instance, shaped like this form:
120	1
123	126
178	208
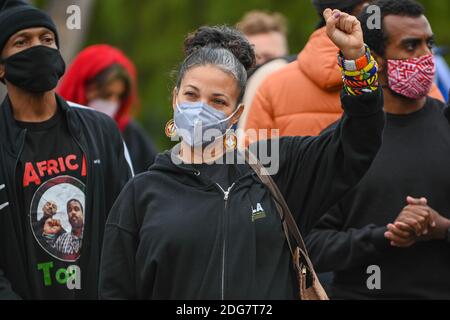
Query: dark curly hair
221	46
377	39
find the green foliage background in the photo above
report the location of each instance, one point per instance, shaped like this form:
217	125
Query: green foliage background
151	32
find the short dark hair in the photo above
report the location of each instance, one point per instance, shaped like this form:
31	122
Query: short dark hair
110	74
74	200
377	39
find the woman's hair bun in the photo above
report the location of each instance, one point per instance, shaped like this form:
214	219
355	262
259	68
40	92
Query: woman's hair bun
222	37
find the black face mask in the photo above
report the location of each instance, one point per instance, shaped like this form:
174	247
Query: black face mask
36	69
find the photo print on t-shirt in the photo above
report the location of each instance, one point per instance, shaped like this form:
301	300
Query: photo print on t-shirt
57	215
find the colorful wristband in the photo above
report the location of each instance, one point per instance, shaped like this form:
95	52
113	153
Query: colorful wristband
359	76
354	65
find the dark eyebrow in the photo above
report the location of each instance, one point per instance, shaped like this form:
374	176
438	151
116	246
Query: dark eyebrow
193	87
219	95
411	41
44	32
416	40
30	34
21	34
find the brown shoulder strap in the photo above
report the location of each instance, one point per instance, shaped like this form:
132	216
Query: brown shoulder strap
289	225
283	209
300	258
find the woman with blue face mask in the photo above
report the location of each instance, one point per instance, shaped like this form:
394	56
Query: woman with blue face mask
200	224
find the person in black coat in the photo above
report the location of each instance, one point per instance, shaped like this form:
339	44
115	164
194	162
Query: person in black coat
200	224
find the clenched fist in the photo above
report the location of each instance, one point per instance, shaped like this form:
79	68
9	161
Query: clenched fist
346	33
52	227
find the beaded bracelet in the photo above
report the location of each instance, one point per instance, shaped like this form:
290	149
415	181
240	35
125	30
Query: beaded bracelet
359	76
355	65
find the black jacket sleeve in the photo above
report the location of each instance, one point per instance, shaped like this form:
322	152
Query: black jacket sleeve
6	292
447	112
122	166
125	164
331	249
316	172
117	268
142	149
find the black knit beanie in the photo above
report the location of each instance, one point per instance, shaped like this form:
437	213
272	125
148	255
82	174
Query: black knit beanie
16	15
321	5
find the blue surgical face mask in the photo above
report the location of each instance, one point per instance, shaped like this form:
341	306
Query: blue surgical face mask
194	119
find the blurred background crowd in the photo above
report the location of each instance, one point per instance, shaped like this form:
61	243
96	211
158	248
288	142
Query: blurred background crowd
151	32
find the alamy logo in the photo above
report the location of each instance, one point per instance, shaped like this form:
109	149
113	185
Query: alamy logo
73	22
258	213
374	21
374	280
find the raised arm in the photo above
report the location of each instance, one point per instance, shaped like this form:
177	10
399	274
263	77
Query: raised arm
316	172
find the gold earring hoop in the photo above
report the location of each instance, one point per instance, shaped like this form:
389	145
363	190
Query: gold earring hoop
230	141
170	129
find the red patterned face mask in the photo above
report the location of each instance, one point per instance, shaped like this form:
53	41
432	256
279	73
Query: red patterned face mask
413	77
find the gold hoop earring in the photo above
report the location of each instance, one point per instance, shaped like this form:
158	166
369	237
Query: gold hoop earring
170	130
230	141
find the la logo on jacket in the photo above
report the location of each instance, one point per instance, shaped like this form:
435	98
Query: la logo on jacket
258	213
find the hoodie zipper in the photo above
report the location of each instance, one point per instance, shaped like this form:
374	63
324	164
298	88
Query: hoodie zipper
224	243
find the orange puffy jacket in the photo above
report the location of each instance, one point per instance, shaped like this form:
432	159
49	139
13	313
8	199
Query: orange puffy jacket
303	98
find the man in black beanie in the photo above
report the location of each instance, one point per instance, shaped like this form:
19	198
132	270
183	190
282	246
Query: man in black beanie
353	7
50	151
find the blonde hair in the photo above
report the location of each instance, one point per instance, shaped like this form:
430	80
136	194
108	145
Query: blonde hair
259	22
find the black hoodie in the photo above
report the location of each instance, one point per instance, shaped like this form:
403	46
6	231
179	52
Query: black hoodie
350	237
107	172
174	234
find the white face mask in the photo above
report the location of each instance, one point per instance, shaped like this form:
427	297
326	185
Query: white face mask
110	108
194	119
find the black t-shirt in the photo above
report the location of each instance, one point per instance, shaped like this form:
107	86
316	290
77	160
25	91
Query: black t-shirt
51	182
413	161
